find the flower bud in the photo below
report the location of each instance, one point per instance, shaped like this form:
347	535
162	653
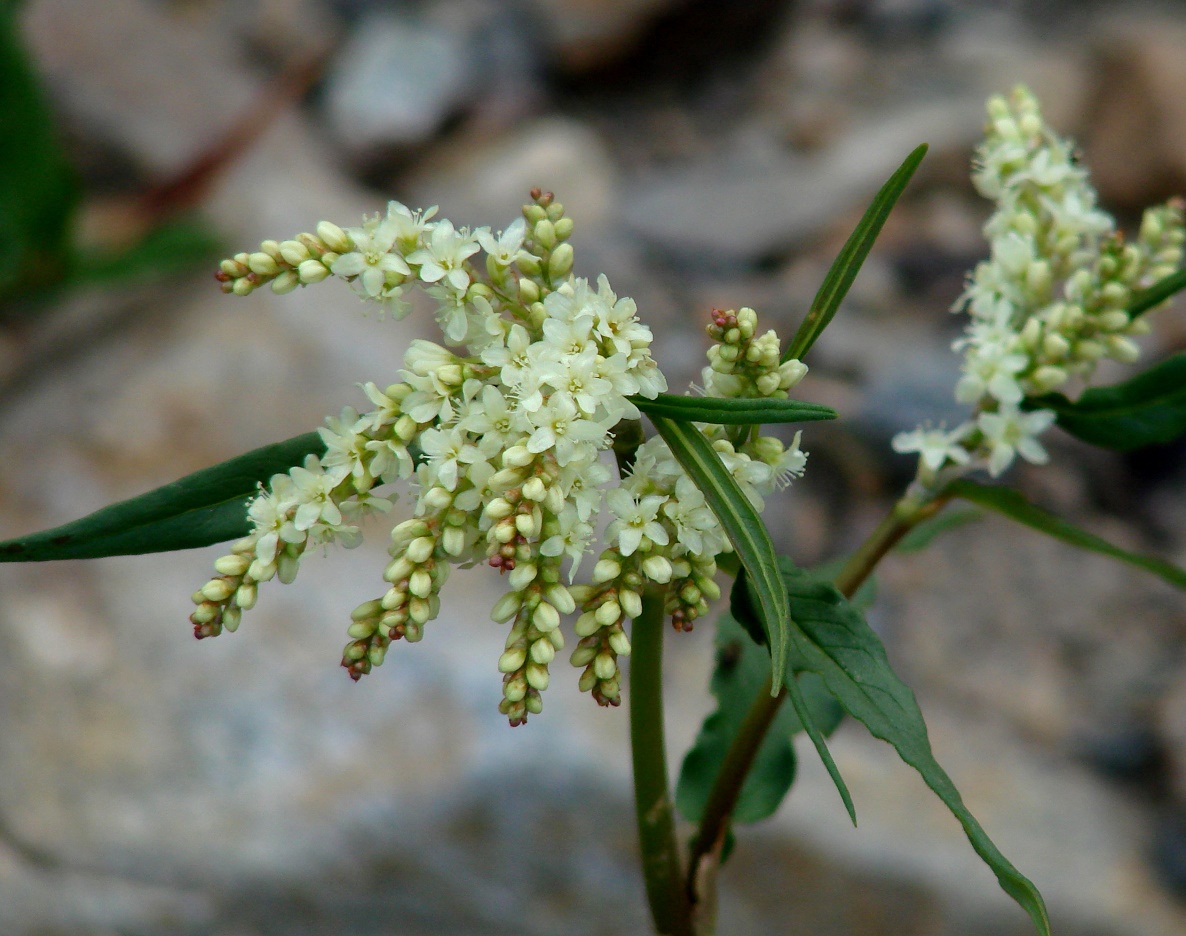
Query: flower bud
512	660
218	590
619	643
420	549
587	624
535	489
605	666
545	617
334	237
515	689
537	676
544	234
657	569
507	606
517	456
609	613
232	565
561	598
246	595
583	656
606	570
542	652
560	262
522	575
453	541
262	264
420	584
631	602
312	271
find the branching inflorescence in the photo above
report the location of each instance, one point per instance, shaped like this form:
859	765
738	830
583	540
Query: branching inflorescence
501	431
1050	302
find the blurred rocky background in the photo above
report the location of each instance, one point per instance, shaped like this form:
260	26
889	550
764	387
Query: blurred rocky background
712	154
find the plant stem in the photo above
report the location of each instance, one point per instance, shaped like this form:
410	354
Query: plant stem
661	866
907	513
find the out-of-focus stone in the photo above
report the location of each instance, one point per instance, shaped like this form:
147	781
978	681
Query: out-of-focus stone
395	82
586	33
739	206
1137	142
483	179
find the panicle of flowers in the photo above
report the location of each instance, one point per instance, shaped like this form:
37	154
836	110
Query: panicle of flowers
500	429
1050	301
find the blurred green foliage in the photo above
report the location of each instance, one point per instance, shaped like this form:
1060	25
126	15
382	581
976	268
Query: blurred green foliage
41	195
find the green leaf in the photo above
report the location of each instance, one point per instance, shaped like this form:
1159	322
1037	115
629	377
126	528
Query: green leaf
751	541
1012	504
847	264
742	525
38	190
1148	409
742	669
732	412
1157	294
831	639
167	250
208	506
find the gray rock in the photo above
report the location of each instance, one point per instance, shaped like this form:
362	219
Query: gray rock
733	208
396	80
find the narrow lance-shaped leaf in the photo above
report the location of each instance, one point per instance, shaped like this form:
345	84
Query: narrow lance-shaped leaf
742	669
732	412
847	264
1157	293
206	507
752	543
831	639
1012	504
1148	409
742	525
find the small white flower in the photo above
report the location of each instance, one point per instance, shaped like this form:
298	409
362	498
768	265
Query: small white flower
372	260
636	518
935	447
446	450
506	248
559	426
1009	432
443	256
571	540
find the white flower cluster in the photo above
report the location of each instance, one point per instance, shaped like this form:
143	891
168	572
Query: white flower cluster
503	438
1050	302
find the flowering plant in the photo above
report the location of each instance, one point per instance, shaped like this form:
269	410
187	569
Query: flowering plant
501	434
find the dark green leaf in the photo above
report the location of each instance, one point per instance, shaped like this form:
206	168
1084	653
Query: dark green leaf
208	506
742	525
1157	293
831	639
741	671
38	193
732	412
164	251
1148	409
751	541
1013	505
848	263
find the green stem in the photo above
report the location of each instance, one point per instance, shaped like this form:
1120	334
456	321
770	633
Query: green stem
661	866
907	513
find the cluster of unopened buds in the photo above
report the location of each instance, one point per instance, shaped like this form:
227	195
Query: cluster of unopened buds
503	430
1051	301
